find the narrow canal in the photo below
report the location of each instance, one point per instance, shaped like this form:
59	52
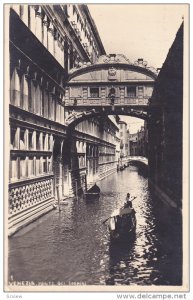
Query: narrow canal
73	245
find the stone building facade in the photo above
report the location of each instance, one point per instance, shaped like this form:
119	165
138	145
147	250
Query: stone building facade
124	138
138	142
98	156
133	141
165	127
58	71
45	43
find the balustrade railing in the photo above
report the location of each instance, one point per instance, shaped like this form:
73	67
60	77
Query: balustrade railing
22	197
77	101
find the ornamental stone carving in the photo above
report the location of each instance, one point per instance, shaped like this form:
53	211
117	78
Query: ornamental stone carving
112	74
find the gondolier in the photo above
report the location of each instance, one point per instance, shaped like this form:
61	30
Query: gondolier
128	201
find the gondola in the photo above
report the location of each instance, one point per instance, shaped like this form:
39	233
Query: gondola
122	224
93	193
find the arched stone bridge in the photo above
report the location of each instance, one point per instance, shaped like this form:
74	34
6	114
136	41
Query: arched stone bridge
141	159
126	160
111	86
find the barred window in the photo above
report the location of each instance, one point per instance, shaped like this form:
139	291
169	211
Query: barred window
131	91
94	92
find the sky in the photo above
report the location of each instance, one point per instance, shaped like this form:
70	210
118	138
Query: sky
138	31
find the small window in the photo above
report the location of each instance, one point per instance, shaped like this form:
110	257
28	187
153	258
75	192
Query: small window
131	91
94	92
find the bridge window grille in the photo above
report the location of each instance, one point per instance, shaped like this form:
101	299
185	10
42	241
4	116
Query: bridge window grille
94	92
85	93
131	91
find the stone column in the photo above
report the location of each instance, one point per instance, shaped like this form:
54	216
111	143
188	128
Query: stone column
38	99
25	93
33	95
45	146
38	24
46	103
34	140
62	114
55	36
45	31
51	38
41	141
62	52
51	143
32	19
26	139
17	139
25	14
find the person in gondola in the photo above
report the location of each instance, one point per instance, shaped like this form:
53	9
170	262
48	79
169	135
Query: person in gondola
95	189
128	201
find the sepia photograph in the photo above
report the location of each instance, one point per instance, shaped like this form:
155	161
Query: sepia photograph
96	137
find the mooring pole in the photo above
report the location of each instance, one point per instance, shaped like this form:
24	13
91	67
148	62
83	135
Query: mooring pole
76	187
85	183
58	195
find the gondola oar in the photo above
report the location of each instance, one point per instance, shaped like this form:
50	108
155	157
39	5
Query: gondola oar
106	220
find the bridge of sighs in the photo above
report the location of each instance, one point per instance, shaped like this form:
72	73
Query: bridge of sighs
111	86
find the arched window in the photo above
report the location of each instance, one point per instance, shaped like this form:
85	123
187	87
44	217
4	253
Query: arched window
24	93
45	104
15	89
38	100
33	96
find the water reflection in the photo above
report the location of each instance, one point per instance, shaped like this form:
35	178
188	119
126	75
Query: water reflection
73	245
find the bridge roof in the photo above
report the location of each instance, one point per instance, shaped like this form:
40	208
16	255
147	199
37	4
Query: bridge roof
112	63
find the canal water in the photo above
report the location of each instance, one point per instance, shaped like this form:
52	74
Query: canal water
73	247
